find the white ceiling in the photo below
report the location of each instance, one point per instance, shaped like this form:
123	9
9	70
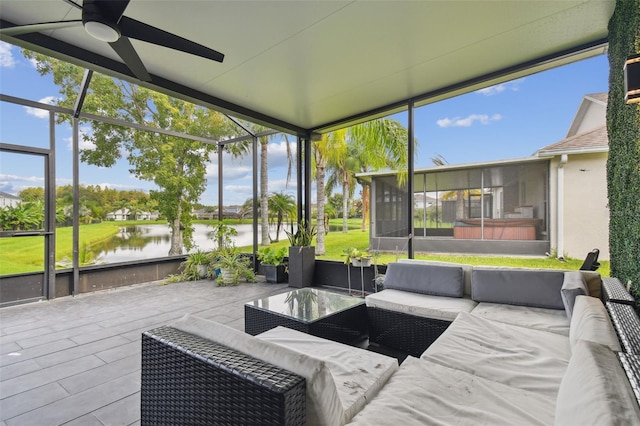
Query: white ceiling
318	65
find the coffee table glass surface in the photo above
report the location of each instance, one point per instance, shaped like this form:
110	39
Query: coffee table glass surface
321	313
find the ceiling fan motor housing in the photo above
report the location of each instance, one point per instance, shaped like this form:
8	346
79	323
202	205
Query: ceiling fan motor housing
99	21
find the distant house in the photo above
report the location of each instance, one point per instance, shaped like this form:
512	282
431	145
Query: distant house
204	214
127	214
8	200
553	201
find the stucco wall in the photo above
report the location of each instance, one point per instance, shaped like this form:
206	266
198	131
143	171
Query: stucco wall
586	215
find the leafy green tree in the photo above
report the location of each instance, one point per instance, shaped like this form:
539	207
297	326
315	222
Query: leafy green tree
32	194
177	166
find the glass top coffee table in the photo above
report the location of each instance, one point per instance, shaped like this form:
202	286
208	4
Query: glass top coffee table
318	312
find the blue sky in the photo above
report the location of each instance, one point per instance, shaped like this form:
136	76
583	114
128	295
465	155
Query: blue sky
510	120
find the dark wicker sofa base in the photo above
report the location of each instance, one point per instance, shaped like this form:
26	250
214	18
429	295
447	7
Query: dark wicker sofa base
409	333
187	380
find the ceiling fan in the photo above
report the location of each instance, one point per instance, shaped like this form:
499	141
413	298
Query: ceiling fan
105	21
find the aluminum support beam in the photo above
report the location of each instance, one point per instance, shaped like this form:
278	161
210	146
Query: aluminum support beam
50	212
255	203
307	180
410	170
75	282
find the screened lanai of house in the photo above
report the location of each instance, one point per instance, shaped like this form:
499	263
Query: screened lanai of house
307	68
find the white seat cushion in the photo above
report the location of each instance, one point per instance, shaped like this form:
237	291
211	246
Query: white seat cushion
552	320
358	374
422	305
323	403
425	393
523	358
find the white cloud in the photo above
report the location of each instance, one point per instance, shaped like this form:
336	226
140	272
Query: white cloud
280	185
119	186
41	113
512	86
16	178
83	143
239	189
468	121
6	55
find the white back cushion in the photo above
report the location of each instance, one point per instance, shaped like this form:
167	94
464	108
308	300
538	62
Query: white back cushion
590	321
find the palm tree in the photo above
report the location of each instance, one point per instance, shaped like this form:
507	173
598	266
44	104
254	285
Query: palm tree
264	176
343	164
321	152
281	205
378	144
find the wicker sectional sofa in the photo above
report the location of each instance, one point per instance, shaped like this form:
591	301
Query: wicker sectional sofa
492	360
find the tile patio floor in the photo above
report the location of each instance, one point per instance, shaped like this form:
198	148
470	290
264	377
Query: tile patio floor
76	360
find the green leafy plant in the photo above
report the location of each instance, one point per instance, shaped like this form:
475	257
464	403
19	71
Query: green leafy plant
195	267
233	266
303	235
222	235
271	256
352	253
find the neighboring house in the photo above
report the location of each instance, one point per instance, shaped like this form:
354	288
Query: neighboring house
8	200
552	201
205	214
578	182
127	214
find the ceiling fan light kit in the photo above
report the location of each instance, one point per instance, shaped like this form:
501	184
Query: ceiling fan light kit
102	31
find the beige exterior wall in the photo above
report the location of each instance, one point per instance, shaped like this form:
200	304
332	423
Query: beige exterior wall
586	214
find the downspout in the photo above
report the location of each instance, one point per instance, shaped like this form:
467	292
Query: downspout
560	207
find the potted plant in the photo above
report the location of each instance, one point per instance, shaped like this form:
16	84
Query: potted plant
273	266
302	255
357	257
195	267
232	266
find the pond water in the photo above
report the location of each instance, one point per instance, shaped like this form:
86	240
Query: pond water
153	241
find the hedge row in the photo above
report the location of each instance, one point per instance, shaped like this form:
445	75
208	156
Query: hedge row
623	166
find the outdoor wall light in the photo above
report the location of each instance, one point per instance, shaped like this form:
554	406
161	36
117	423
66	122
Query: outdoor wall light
632	80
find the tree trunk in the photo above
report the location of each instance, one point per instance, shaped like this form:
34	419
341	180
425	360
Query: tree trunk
264	193
365	206
320	205
278	226
345	206
176	236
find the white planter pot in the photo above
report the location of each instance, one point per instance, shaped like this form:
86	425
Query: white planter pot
361	262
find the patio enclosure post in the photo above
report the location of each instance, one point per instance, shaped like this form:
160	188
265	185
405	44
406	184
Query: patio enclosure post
410	170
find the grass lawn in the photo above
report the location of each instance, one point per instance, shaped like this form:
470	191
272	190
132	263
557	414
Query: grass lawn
336	242
26	254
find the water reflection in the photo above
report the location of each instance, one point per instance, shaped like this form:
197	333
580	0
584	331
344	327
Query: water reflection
154	240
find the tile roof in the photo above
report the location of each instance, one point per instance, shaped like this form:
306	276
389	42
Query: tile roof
601	97
592	140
